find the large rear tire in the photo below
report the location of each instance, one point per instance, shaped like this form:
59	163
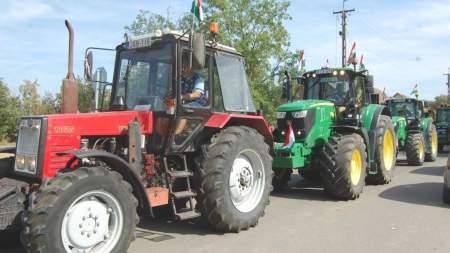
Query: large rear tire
235	174
385	152
89	209
432	140
415	149
344	164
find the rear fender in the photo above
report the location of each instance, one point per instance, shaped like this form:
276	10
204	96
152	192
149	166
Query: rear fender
219	121
119	165
370	117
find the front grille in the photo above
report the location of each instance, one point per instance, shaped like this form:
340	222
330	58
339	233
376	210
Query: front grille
301	126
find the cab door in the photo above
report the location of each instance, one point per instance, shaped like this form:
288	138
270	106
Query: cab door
191	117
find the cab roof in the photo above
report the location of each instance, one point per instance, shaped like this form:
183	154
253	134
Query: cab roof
146	40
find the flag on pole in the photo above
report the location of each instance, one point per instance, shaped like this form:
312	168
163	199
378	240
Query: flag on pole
415	91
197	9
289	139
301	58
352	54
361	63
328	63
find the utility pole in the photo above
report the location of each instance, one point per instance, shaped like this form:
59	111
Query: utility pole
448	86
343	32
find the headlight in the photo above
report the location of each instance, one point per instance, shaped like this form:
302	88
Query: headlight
28	145
281	115
300	114
342	72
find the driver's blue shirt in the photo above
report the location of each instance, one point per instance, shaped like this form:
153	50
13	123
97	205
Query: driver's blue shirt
194	83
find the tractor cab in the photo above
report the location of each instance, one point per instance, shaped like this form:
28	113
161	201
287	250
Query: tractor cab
347	89
181	84
409	108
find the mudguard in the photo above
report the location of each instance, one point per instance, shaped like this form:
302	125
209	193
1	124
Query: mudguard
118	164
370	116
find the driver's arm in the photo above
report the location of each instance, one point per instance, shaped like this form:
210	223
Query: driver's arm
197	92
192	96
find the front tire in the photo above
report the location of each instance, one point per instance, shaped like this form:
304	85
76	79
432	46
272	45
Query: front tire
415	149
89	209
344	165
385	152
235	179
433	146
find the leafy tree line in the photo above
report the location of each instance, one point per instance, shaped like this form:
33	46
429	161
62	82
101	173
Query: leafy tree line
30	102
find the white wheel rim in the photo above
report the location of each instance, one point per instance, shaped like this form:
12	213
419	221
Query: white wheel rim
92	223
247	181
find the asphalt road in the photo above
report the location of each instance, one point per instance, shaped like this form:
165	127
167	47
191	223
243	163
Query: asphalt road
404	216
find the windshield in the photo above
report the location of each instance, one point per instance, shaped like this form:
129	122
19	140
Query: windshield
443	116
233	83
333	88
407	109
144	78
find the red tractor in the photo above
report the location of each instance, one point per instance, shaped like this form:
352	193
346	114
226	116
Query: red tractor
78	182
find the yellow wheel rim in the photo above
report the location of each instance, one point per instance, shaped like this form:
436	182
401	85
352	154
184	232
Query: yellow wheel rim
421	151
434	143
388	149
356	167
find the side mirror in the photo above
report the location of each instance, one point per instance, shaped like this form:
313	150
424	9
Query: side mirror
375	98
198	50
287	87
88	61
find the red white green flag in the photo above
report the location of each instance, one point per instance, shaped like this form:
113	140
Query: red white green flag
197	9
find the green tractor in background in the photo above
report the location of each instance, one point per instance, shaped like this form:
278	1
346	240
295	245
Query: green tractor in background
337	132
442	124
415	131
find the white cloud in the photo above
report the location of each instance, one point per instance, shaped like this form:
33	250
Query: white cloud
21	11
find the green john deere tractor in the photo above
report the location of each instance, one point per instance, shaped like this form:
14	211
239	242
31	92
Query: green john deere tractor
443	124
415	131
338	133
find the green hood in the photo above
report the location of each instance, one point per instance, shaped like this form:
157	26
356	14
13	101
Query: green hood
303	105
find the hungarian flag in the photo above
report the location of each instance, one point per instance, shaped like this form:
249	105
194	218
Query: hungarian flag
289	139
197	9
352	54
415	91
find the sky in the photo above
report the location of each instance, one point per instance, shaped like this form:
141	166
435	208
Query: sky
404	42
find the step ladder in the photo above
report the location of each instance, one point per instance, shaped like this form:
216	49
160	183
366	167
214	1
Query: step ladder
173	175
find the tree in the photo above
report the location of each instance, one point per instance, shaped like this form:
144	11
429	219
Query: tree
9	112
85	95
29	97
441	99
50	103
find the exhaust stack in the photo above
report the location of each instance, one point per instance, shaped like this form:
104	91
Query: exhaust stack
69	91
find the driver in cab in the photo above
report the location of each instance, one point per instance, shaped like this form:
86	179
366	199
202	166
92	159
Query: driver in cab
192	91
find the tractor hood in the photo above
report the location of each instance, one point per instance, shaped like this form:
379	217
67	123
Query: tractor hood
303	105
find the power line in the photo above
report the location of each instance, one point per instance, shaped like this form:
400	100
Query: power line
344	14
